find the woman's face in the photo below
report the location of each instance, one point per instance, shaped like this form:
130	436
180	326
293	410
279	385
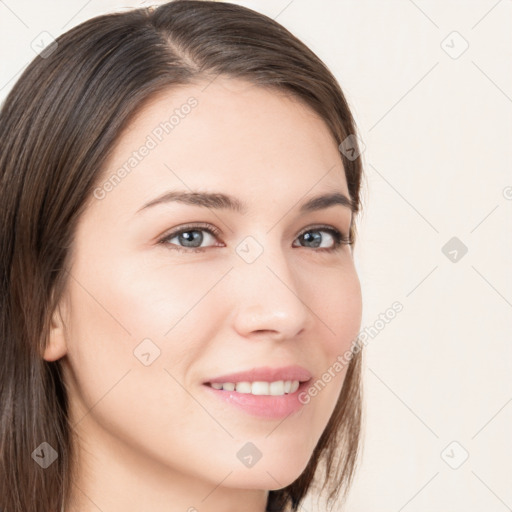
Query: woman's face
149	320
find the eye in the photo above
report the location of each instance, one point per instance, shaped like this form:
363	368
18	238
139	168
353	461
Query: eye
191	238
310	236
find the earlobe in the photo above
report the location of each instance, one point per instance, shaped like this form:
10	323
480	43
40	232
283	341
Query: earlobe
56	346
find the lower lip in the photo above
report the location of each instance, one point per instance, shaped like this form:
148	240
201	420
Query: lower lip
262	406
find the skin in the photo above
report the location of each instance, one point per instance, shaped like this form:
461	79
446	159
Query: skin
151	437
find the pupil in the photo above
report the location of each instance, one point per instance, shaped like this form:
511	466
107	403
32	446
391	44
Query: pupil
316	238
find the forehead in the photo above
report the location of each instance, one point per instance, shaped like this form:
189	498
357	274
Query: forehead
228	135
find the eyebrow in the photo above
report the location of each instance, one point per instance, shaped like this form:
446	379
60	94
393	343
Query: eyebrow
218	200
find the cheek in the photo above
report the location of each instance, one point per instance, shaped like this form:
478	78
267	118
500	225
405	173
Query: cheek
110	385
156	294
132	321
132	297
338	306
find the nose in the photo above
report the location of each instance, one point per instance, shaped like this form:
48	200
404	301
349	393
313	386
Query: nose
268	299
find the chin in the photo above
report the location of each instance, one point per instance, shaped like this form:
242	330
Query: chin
270	475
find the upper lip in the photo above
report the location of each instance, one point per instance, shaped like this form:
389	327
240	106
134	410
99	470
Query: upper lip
265	374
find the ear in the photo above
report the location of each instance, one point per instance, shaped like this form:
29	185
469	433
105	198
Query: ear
56	346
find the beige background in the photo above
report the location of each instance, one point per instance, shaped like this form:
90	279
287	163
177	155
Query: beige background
437	127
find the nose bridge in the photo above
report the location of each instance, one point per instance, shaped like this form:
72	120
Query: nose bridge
267	289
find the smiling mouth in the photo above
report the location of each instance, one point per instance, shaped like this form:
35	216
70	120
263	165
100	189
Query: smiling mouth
258	403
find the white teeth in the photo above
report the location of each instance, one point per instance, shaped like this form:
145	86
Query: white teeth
243	387
277	388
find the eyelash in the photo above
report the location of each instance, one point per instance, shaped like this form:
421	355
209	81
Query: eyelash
339	238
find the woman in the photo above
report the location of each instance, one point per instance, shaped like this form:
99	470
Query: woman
179	301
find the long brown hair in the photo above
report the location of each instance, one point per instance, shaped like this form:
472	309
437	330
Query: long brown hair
58	126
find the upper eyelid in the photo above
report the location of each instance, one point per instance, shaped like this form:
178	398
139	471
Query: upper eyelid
217	232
